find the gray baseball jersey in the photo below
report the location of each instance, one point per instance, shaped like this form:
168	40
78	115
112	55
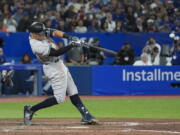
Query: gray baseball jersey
54	68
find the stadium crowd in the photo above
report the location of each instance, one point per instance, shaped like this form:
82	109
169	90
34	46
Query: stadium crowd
92	15
84	16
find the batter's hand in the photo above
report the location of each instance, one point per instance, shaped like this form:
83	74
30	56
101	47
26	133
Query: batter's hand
76	43
73	38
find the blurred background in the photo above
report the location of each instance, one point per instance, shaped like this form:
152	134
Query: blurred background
142	32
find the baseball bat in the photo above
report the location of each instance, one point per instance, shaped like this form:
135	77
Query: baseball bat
87	45
104	50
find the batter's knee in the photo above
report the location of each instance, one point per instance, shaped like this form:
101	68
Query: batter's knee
59	98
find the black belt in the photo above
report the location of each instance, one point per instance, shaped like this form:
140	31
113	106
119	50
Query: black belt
55	61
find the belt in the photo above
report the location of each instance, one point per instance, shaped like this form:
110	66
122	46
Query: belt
57	60
54	61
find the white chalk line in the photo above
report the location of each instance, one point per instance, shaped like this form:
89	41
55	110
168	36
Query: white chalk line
139	123
23	128
78	127
102	123
13	129
62	131
90	131
151	131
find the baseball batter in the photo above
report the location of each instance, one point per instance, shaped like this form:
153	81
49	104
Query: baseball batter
61	81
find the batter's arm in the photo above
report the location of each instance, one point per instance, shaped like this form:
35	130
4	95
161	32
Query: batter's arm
57	33
60	51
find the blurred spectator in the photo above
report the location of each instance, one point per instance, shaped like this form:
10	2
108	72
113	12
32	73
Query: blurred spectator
93	27
5	75
70	12
26	59
76	4
119	27
151	27
104	27
176	52
135	15
25	78
155	56
125	55
48	23
1	42
24	23
94	56
143	60
75	56
139	25
130	25
80	28
176	57
2	57
60	4
110	23
153	49
62	26
165	28
18	15
10	23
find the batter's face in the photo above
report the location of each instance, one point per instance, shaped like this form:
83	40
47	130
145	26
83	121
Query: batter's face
38	36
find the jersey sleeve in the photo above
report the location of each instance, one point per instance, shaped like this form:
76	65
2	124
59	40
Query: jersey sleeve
41	48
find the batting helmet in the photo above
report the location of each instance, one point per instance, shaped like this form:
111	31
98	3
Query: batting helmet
37	27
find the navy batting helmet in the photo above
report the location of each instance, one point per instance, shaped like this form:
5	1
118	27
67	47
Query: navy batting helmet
37	27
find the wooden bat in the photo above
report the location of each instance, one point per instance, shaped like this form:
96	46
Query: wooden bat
104	50
85	44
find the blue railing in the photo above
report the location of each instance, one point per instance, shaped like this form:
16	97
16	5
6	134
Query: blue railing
115	80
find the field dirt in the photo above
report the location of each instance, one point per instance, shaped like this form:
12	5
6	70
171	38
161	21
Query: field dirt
74	127
106	127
